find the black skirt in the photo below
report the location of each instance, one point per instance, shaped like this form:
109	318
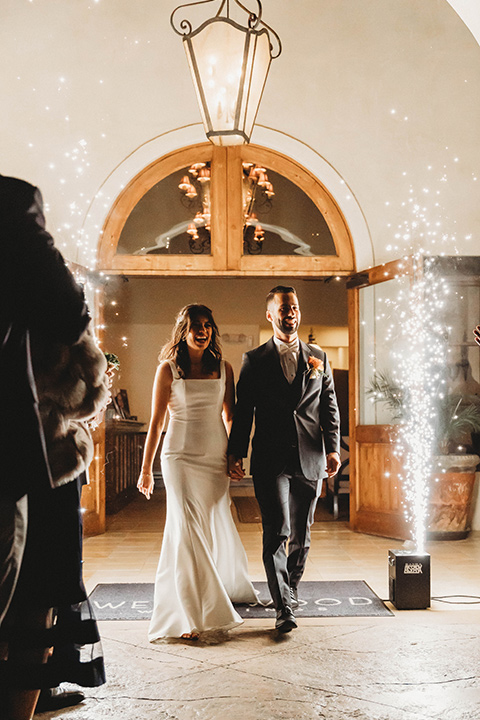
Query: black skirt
51	577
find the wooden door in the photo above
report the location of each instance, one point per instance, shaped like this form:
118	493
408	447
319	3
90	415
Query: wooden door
93	494
376	497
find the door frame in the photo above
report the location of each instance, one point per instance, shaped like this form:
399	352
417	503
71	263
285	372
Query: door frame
382	513
226	258
378	438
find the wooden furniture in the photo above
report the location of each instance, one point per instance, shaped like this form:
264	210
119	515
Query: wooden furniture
124	442
93	494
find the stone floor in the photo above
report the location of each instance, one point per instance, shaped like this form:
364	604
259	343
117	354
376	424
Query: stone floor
414	665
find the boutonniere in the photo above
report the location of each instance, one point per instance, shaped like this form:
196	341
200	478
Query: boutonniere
316	368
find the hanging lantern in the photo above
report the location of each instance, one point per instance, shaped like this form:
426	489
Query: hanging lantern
229	65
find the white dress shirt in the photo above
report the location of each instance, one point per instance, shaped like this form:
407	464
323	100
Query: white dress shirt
288	353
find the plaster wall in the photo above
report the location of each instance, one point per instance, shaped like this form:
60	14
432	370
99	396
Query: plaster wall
383	93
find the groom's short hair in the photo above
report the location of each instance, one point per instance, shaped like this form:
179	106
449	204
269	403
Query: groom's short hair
280	290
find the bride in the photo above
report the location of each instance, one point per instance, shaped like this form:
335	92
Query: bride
203	566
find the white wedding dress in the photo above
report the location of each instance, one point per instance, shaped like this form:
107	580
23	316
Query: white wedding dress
202	566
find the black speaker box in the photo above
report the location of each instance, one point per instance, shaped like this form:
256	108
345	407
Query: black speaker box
409	579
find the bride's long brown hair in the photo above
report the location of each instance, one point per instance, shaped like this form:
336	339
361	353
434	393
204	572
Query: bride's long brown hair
176	349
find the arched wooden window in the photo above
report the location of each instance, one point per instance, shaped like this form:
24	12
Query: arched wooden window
240	211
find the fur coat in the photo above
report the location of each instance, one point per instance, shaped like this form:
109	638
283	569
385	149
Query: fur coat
72	389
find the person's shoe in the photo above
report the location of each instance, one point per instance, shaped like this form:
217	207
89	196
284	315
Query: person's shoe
285	621
56	699
294	597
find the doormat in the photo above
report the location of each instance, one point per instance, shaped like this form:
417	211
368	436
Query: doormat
249	512
337	598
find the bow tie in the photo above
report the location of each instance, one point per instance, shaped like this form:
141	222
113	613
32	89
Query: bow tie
284	347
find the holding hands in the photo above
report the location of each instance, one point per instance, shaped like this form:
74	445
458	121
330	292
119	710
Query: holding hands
235	468
236	471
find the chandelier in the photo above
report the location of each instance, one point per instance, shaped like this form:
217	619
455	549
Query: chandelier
229	64
257	194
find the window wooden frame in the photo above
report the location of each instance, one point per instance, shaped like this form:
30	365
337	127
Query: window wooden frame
342	263
227	220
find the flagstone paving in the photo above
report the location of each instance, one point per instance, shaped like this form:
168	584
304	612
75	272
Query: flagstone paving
414	665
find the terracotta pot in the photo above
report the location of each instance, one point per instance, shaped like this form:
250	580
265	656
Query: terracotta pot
450	506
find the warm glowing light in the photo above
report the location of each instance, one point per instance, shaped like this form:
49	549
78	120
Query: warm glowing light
416	317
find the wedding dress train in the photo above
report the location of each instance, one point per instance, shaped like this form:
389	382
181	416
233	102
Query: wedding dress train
203	566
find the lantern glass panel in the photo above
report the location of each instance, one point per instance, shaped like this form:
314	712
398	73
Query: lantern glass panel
229	65
258	75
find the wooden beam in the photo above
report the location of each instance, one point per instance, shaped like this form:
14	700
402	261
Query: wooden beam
218	199
93	495
353	406
381	273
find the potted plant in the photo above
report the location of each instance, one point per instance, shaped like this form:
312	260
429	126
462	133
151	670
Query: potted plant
450	499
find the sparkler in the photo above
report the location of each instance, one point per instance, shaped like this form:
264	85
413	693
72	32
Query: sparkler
417	335
418	360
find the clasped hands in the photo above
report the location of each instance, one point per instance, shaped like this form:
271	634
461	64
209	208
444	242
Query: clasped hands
236	471
235	468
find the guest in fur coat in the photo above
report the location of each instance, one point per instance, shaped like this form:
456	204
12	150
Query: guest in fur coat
43	438
73	388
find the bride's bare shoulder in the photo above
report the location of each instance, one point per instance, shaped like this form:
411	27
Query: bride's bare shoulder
164	372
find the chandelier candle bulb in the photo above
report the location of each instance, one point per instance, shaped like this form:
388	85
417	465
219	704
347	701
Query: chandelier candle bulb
409	579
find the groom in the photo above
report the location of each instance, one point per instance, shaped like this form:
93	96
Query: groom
288	387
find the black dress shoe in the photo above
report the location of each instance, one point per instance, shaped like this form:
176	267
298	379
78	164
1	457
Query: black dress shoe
294	597
56	699
285	620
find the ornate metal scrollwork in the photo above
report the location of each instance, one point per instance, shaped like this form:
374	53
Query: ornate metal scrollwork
184	27
251	246
200	243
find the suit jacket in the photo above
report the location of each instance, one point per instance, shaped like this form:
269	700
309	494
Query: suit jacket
40	302
305	414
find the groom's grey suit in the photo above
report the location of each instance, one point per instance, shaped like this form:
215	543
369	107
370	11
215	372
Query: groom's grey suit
296	426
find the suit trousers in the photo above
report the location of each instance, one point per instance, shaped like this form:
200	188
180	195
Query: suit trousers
13	535
287	503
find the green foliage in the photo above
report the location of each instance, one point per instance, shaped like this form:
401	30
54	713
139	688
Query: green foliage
383	389
112	360
456	416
